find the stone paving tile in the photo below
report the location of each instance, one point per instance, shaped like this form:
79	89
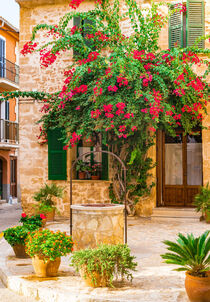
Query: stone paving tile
153	281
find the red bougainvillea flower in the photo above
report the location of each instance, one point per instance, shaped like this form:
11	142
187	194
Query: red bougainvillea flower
43	216
28	48
23	215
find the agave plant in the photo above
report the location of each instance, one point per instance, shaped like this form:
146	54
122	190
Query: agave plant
190	253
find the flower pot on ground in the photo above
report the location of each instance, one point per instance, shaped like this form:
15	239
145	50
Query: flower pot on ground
99	266
45	268
16	238
192	255
44	197
46	247
33	222
202	202
198	288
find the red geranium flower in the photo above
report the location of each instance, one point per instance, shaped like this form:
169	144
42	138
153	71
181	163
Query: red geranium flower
23	215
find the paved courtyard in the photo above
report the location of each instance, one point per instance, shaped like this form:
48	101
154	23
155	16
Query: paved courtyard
153	281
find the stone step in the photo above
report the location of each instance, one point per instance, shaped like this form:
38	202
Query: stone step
172	212
2	201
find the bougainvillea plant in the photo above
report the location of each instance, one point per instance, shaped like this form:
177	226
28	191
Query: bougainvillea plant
119	87
48	244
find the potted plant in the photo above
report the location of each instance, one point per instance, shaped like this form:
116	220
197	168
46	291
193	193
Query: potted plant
46	248
82	168
33	222
95	171
193	256
16	236
44	197
202	202
99	266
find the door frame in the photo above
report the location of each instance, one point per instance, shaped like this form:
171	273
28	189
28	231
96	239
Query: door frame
160	169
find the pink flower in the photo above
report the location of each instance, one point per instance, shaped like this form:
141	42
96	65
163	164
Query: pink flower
134	128
78	108
43	216
112	88
108	108
120	106
152	129
23	215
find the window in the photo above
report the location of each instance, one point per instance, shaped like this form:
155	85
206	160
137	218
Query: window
2	58
186	27
7	110
86	25
56	156
100	159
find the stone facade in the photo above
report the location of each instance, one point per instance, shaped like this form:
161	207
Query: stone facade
95	225
33	157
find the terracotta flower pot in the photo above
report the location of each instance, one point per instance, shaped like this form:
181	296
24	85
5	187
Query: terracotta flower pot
50	215
198	288
95	177
44	222
19	250
81	175
47	268
207	216
99	281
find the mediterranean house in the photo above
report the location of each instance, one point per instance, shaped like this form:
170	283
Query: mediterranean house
9	81
183	162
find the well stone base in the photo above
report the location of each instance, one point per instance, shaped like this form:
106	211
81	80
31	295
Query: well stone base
96	225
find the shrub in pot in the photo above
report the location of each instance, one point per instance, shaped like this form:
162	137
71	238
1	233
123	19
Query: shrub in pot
33	222
46	248
193	256
202	202
99	266
44	197
16	236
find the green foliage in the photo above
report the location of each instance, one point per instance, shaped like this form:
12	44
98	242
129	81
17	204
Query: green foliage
107	260
45	197
48	244
191	253
82	166
31	223
16	235
202	200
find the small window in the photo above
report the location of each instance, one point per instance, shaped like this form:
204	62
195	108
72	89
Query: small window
97	163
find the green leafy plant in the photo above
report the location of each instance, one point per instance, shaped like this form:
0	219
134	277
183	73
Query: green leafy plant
95	169
16	235
45	197
82	166
107	260
191	253
202	200
48	244
33	222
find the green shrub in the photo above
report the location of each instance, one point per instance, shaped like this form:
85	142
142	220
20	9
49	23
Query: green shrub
107	260
16	235
202	200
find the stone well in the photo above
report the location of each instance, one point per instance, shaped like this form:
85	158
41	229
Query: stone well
97	223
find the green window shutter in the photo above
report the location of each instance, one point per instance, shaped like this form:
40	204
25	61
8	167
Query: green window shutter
195	22
88	26
175	28
76	22
105	164
56	156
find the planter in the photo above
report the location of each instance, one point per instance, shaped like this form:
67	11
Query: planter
99	281
101	223
82	175
95	177
207	216
198	288
19	250
50	215
47	268
44	221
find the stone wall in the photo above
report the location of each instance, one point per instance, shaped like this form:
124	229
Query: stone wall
33	157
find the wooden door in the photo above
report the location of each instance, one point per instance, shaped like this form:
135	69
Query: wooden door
181	169
13	177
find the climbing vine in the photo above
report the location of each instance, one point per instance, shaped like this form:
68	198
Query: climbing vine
119	88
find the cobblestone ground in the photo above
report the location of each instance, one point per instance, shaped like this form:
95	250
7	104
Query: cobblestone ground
9	216
153	281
